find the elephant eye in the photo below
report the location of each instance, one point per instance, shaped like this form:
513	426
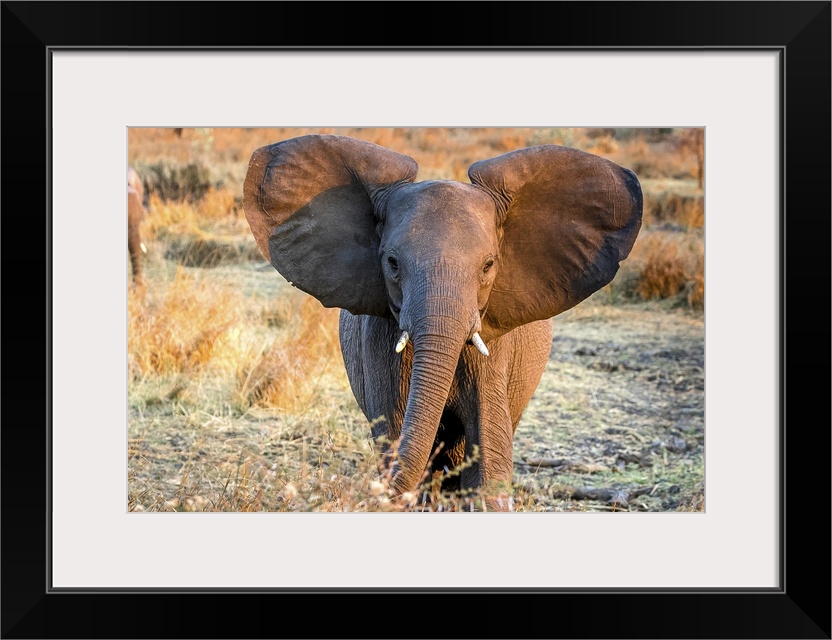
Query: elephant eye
394	264
487	266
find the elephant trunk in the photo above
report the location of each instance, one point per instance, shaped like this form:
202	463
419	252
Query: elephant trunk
438	338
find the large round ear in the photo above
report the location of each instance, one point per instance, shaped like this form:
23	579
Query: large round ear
568	219
310	204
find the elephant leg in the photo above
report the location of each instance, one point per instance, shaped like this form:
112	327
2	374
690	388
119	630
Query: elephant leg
379	377
488	466
134	242
493	396
496	434
135	249
532	344
481	404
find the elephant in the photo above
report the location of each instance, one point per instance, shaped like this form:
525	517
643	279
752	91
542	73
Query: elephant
447	290
135	212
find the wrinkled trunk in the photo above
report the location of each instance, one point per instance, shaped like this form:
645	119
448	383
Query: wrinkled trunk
438	339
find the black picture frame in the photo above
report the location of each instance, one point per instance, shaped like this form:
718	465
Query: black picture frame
799	608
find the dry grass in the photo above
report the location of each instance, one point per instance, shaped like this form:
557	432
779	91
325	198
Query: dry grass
218	204
221	154
217	209
670	157
299	466
277	374
175	181
672	265
167	218
180	330
666	266
206	233
683	210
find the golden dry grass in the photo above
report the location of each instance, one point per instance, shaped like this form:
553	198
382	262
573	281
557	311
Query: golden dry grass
441	152
672	264
211	231
217	210
277	373
179	330
218	204
683	210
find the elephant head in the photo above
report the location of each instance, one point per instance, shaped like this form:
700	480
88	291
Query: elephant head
453	264
135	211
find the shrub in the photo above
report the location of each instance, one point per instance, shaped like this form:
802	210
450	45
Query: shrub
672	265
188	182
667	207
207	233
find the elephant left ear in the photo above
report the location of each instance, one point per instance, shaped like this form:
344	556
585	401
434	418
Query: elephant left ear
568	219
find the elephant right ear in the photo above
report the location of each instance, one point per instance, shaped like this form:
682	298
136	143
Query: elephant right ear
310	204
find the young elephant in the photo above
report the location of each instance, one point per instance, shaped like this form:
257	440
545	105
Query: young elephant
135	211
447	289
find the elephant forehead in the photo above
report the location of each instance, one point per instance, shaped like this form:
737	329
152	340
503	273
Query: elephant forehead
447	200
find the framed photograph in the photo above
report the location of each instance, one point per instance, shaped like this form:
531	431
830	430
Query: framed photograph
101	86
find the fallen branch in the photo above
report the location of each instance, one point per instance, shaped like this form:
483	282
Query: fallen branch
561	465
603	494
546	462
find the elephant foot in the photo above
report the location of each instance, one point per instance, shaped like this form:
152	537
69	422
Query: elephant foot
498	496
503	502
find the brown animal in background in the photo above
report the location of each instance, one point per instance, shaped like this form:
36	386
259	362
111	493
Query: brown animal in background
135	212
447	289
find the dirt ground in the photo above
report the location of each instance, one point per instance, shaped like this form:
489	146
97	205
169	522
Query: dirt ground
617	422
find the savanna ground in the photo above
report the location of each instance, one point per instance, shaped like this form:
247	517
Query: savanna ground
238	399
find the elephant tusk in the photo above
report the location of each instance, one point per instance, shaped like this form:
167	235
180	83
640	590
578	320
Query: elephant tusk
479	344
144	248
400	345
